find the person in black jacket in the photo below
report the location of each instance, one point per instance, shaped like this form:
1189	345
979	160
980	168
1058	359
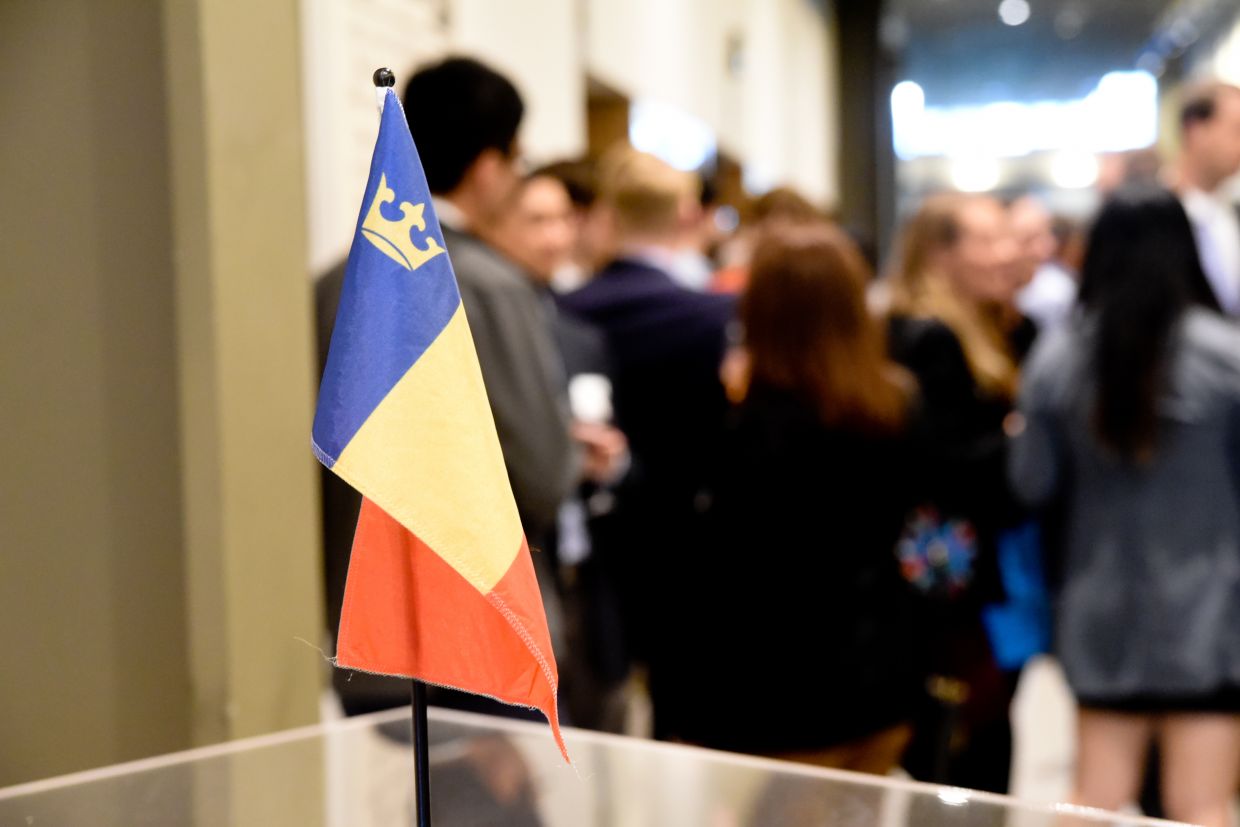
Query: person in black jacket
945	296
666	343
811	621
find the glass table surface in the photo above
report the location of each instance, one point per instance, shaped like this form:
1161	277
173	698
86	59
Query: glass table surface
490	771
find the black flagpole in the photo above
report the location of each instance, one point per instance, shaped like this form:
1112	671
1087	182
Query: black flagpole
384	78
421	760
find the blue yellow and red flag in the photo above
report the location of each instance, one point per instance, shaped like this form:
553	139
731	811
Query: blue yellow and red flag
440	587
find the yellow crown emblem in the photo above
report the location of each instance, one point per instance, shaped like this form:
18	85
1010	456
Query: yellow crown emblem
393	237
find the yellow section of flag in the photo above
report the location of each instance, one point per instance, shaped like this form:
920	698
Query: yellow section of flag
430	454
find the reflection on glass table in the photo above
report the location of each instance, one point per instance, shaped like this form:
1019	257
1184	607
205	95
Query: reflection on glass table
489	771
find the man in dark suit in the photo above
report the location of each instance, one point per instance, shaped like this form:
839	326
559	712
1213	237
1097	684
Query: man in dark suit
1209	157
666	343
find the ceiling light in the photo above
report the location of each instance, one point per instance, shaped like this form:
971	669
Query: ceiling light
1014	12
975	174
908	104
1074	170
908	96
1120	113
1070	22
1152	63
1183	33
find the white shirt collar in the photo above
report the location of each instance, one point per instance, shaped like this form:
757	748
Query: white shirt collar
449	214
1205	206
659	258
1217	230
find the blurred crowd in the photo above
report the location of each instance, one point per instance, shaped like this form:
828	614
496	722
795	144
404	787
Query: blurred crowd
816	513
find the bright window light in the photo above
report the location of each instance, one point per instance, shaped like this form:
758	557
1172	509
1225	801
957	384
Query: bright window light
1121	113
908	98
975	174
908	105
1074	170
672	134
1014	12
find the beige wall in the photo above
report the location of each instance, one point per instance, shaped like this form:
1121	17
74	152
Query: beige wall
537	43
344	42
91	571
245	359
125	292
778	117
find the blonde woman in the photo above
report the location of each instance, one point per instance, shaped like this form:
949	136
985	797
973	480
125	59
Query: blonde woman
945	295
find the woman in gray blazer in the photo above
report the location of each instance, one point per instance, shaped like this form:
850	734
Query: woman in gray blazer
1132	426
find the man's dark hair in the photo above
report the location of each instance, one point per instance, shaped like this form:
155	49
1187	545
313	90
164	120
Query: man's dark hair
458	109
579	177
1201	100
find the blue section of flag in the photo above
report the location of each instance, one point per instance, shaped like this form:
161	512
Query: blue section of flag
388	315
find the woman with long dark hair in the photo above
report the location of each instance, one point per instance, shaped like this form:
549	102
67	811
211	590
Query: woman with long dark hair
1133	419
812	620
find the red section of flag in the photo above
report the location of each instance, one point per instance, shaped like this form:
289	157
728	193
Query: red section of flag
407	612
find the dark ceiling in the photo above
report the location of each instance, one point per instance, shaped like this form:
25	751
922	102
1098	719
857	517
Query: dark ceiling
961	53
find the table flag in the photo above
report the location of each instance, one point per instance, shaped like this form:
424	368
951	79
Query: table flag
441	587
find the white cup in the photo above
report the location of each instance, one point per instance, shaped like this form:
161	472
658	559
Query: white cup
589	398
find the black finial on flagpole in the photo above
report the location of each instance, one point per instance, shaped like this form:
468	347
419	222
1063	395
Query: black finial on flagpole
384	77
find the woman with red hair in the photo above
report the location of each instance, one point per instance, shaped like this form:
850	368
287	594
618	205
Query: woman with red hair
812	614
